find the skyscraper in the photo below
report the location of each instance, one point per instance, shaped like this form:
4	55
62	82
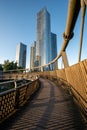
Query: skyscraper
46	42
53	46
21	55
43	46
32	55
53	50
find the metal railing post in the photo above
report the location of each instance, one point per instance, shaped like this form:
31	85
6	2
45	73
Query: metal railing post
83	7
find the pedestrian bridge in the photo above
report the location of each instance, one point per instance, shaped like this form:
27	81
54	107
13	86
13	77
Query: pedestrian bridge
57	99
60	100
51	108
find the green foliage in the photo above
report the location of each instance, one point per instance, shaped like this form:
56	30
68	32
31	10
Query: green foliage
1	68
9	65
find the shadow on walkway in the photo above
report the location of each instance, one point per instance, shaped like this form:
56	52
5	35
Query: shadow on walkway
50	109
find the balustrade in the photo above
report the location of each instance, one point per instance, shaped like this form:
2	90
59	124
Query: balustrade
13	99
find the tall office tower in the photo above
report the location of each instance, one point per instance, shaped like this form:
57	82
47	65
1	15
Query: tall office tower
32	55
43	46
53	50
53	46
21	55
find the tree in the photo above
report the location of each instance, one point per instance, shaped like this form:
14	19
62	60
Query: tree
9	65
1	68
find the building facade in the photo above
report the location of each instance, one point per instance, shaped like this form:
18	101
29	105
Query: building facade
32	55
53	46
53	50
43	45
21	55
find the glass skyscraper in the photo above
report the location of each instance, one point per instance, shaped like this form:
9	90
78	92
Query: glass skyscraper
46	42
43	46
53	50
32	55
53	46
21	55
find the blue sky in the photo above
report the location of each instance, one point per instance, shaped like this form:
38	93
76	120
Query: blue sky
18	24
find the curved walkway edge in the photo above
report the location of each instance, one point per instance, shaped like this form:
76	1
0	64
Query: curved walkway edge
50	109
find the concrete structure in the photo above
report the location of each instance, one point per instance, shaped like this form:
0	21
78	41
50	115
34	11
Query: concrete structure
21	55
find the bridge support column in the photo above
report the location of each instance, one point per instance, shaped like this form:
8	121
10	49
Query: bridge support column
83	7
65	60
49	67
41	68
55	65
85	2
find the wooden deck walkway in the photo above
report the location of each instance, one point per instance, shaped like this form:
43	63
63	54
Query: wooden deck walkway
50	109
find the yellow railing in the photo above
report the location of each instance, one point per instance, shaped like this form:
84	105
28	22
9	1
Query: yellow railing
74	79
12	99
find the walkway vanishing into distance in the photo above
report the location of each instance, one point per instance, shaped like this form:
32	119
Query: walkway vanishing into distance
52	108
